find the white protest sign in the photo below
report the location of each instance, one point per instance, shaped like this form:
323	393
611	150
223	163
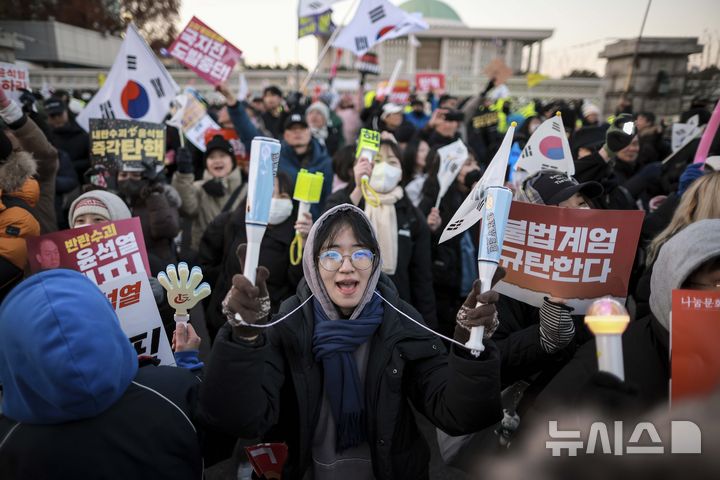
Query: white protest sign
452	157
132	298
683	132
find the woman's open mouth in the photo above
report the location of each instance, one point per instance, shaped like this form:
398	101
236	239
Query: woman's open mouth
347	287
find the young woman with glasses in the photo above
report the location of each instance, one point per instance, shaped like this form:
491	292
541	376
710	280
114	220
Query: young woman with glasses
334	372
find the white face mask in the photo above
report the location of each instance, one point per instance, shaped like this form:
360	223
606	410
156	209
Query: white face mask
280	210
385	177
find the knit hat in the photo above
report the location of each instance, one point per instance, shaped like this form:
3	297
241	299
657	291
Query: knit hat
98	202
218	142
682	254
620	134
319	107
589	109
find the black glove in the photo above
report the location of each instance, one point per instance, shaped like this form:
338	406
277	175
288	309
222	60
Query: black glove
184	161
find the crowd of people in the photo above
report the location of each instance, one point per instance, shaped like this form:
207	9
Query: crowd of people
329	357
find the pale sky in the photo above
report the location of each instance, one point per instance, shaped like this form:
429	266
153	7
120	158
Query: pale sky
266	30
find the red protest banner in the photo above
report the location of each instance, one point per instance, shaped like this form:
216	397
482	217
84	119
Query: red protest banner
429	82
695	331
103	252
205	52
400	93
579	255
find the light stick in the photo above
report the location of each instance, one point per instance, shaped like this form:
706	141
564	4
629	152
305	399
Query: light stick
308	189
607	319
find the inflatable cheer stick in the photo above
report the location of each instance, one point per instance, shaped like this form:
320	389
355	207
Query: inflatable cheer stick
490	202
308	188
708	136
183	288
264	158
607	319
368	147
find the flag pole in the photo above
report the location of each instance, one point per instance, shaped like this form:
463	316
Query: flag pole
325	49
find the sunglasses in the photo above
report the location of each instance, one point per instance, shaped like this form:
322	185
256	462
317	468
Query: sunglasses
332	260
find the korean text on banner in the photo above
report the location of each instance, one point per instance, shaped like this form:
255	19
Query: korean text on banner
113	256
132	298
103	252
400	93
576	254
695	330
128	142
429	82
205	52
13	78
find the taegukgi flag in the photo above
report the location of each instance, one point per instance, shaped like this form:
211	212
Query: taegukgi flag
137	88
376	21
307	8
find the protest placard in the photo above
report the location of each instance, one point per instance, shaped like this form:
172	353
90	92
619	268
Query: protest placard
429	82
113	256
575	254
695	330
102	252
126	142
205	52
132	298
400	93
191	117
13	78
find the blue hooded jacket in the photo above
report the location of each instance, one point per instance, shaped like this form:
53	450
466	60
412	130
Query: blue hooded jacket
289	161
63	355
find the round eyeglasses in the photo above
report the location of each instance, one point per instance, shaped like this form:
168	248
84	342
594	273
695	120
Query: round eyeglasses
332	260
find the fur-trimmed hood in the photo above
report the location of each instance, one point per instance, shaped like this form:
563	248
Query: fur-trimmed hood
19	166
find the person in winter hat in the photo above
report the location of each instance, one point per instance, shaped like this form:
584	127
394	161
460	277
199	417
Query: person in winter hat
220	190
336	378
621	146
590	115
74	394
689	260
25	135
318	119
97	206
19	193
298	147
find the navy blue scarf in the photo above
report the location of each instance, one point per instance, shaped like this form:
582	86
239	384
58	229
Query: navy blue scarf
334	342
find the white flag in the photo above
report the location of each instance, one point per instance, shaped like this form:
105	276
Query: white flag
374	22
684	132
452	157
137	88
314	7
547	149
470	211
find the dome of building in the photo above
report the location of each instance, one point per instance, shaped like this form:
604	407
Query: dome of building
433	11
